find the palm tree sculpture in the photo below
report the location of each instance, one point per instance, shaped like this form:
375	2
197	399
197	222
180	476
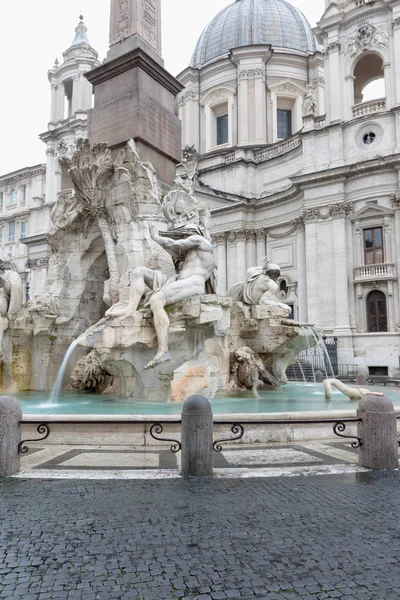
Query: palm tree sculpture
90	169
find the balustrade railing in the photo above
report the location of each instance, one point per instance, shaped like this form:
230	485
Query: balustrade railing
267	153
368	108
374	271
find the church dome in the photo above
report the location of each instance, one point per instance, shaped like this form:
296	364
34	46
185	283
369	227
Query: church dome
252	22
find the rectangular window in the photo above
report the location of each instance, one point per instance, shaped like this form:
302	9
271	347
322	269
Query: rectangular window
373	246
23	194
23	229
222	130
12	198
1	236
284	123
1	200
11	231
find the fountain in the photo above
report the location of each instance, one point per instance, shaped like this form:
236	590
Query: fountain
130	291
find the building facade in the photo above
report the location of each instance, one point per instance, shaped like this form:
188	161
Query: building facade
299	137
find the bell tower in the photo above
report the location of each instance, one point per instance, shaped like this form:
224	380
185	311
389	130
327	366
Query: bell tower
71	99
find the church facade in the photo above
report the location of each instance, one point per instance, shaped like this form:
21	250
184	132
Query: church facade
298	135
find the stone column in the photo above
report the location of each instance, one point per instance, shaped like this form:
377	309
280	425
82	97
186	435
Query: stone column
197	437
260	117
395	199
388	85
243	109
341	276
241	255
302	275
313	300
54	103
261	245
10	436
220	241
378	433
396	46
350	101
231	257
334	87
251	257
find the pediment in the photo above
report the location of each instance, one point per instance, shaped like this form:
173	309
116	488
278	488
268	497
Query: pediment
286	86
371	211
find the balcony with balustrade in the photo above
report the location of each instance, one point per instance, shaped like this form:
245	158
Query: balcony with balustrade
378	272
368	108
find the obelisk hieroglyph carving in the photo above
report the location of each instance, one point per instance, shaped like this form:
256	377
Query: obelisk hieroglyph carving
133	24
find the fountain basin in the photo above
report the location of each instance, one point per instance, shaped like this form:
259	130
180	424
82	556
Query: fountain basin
110	421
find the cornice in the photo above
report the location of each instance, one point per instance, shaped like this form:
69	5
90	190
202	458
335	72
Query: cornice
29	171
134	59
348	171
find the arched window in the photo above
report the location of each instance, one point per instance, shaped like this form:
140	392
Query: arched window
377	312
369	83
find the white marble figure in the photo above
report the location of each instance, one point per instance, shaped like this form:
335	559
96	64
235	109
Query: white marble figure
248	371
11	297
260	287
194	264
309	106
351	392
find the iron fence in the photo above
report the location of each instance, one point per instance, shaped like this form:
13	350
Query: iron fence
156	429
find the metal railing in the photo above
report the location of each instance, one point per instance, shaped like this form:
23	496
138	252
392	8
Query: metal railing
156	429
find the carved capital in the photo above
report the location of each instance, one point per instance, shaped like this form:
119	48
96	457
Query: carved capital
251	72
187	95
318	80
310	214
395	200
219	237
341	209
332	47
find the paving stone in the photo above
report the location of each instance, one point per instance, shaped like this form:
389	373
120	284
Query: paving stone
299	538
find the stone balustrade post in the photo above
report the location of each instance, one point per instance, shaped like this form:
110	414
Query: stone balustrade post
197	437
378	432
10	436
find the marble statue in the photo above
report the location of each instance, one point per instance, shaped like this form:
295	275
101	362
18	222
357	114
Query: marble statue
260	287
194	261
352	393
309	106
248	371
188	244
11	297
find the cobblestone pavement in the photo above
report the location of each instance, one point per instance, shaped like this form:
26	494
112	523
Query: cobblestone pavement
303	538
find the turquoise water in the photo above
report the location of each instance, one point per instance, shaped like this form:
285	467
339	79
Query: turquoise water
293	397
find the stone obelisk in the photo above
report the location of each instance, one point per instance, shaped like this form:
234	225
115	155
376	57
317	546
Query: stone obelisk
134	96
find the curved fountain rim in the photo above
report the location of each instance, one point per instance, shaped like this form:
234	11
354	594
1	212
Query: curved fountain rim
333	415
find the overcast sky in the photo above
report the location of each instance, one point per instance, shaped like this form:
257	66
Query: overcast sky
34	32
